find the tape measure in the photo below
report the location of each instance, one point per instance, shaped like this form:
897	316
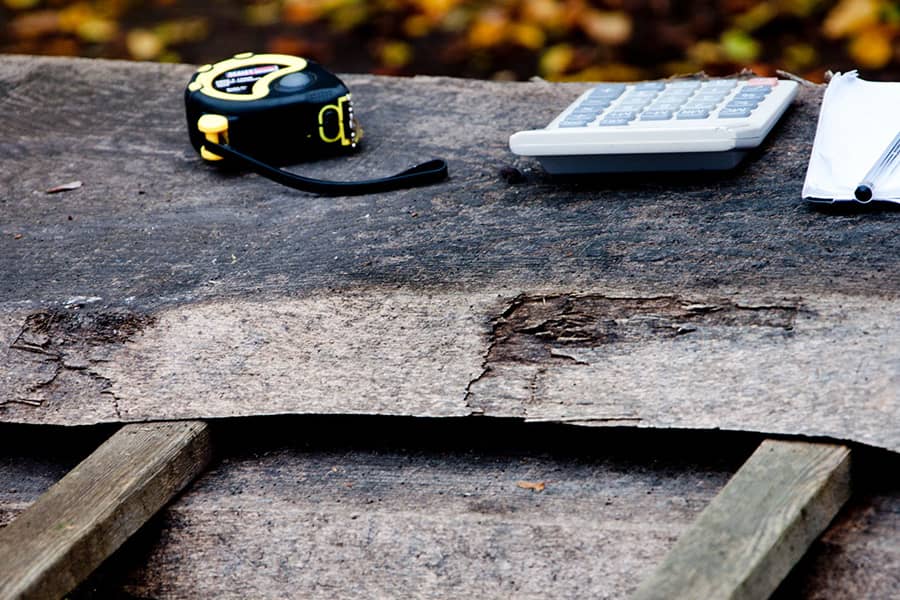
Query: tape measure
261	111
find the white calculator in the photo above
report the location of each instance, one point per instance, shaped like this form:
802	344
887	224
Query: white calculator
673	125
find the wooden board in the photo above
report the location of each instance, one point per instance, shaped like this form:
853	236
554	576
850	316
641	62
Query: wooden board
438	512
755	530
681	301
51	547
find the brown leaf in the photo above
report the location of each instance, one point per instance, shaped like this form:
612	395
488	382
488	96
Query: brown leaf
65	187
35	24
534	486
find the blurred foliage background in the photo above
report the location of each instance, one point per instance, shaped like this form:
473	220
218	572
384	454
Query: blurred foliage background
498	39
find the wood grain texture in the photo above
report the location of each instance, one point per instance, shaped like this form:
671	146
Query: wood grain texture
577	301
59	540
756	529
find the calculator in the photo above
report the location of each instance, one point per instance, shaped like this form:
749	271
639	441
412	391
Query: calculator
672	125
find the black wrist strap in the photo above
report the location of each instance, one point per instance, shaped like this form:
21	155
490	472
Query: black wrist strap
426	173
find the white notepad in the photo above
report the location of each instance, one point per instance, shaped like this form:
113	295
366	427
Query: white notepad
857	122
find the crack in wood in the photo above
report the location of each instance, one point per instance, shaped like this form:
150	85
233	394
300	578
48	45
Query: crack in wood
115	399
535	329
72	339
486	360
58	327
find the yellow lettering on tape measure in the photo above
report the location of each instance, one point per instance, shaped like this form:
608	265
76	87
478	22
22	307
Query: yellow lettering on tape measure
341	133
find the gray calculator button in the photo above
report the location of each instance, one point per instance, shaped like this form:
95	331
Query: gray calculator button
650	86
734	113
674	97
743	96
739	103
622	114
608	90
598	103
693	114
757	86
694	105
640	95
608	121
656	115
665	106
684	85
632	106
720	84
748	98
710	97
755	90
593	113
568	123
585	118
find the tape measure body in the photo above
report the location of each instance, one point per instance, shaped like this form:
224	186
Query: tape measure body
279	108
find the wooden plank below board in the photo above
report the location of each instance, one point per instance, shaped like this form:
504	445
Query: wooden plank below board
89	513
756	529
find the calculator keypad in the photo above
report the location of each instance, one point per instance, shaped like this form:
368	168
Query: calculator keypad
613	104
651	126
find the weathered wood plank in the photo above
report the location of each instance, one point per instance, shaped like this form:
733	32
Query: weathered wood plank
593	359
642	300
756	529
53	545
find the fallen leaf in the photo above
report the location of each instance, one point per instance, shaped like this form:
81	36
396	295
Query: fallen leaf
528	35
535	486
143	44
35	24
610	28
850	16
556	59
395	54
21	4
739	46
872	49
97	30
72	185
489	29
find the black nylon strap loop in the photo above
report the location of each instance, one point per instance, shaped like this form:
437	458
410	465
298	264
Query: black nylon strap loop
426	173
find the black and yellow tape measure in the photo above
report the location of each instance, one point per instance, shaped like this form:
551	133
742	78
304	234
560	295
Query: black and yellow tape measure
263	110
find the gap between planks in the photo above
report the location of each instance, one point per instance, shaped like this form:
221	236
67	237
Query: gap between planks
58	541
755	530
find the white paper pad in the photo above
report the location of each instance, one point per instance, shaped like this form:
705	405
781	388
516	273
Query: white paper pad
857	122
